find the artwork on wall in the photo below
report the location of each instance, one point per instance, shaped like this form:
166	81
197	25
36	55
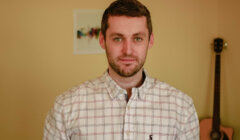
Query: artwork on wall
86	31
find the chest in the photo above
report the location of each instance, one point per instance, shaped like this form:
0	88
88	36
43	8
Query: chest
119	120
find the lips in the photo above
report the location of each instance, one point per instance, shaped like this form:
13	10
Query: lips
127	60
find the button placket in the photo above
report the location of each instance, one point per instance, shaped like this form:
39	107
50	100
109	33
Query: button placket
130	120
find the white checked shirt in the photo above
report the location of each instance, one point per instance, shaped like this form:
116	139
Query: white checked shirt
97	110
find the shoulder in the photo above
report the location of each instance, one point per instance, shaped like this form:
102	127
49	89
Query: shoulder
79	92
169	97
165	90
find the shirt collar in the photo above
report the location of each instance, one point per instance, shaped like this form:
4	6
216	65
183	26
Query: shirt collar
114	89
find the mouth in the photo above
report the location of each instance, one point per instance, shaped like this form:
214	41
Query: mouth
127	60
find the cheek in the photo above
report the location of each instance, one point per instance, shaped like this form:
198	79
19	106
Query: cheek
141	50
113	51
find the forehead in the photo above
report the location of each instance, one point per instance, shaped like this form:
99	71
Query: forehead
127	25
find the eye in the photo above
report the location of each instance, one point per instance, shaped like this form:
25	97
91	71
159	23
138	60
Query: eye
138	39
117	39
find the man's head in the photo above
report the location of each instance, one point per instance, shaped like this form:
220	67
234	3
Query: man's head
126	36
129	8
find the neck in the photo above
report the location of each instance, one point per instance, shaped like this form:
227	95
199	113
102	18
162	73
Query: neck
128	83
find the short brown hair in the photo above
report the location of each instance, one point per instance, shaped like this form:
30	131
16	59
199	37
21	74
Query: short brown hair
131	8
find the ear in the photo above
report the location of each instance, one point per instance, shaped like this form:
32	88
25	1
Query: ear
151	41
102	40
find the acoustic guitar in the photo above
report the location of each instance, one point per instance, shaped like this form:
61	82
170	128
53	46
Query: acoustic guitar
210	129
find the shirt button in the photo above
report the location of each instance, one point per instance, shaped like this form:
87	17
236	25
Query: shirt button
127	133
128	107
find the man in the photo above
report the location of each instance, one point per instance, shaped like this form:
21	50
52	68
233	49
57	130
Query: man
125	103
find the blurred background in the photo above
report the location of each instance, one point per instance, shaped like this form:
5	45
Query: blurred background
37	61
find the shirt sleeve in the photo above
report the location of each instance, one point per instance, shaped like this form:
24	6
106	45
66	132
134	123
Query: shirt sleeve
55	128
190	126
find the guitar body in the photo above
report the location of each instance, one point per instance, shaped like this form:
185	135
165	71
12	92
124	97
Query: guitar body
206	128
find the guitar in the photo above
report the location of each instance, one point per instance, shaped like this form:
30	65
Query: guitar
210	129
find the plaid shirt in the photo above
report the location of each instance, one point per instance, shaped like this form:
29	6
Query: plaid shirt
97	110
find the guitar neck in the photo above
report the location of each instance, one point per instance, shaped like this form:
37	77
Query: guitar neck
216	106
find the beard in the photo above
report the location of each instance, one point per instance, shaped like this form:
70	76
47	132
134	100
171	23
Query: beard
125	70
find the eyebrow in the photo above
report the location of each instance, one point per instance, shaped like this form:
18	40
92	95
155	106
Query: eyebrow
121	35
115	34
140	34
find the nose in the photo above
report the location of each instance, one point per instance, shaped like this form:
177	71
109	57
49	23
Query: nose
127	47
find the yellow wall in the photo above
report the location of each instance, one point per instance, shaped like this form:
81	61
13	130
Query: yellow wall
37	61
229	29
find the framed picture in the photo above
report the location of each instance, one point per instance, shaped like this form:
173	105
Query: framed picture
86	31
